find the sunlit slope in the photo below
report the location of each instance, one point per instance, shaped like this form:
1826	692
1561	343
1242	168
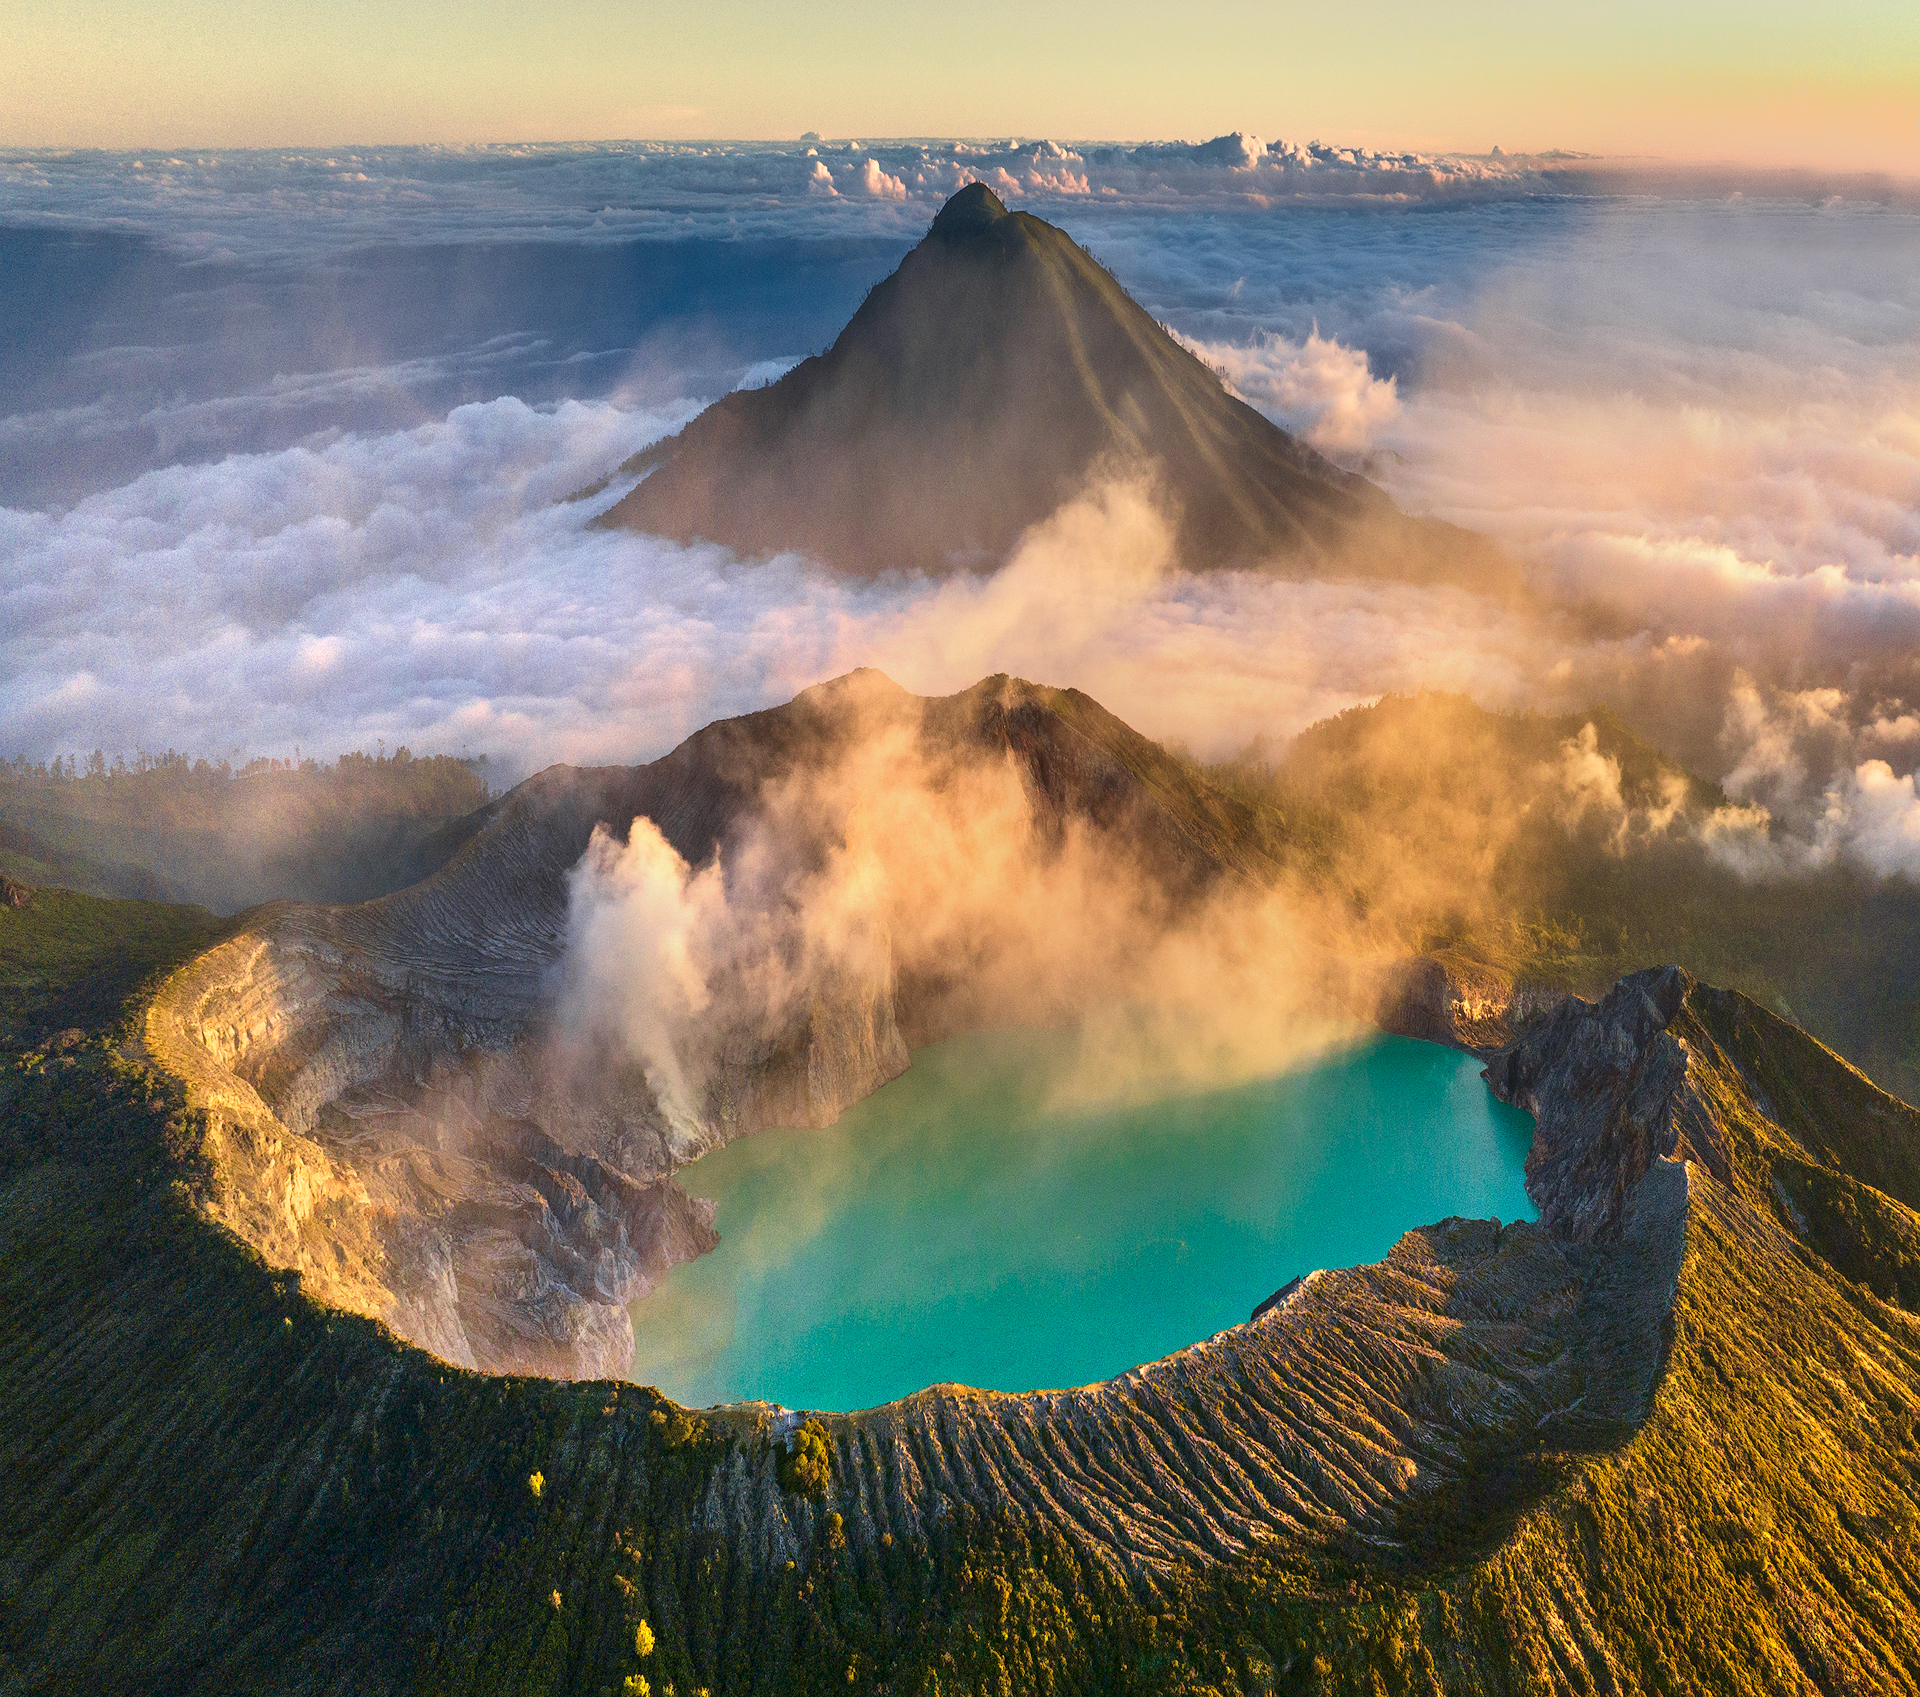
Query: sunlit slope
979	387
1683	1454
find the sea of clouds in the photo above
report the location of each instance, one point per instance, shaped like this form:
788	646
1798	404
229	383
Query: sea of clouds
1690	407
305	200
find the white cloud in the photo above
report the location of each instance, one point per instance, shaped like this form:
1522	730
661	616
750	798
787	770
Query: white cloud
430	587
1317	389
1697	424
1877	817
879	185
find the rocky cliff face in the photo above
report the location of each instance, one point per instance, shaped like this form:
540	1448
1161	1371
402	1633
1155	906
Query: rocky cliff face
389	1116
1609	1086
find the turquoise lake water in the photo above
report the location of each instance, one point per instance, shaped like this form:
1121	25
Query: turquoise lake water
958	1225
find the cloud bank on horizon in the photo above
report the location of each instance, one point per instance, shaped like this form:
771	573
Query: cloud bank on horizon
230	202
1696	420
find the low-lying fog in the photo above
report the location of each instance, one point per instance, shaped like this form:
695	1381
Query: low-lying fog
288	440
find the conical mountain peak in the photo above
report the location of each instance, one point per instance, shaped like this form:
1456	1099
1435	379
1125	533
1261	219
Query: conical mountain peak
984	384
975	207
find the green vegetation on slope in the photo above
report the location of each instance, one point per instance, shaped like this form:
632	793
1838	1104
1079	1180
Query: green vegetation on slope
1468	835
208	1483
71	961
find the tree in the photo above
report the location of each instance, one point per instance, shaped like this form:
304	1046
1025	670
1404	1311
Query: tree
805	1467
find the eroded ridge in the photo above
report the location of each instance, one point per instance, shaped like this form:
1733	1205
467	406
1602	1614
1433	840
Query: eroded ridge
1351	1414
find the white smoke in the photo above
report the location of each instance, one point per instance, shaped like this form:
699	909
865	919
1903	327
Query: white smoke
643	934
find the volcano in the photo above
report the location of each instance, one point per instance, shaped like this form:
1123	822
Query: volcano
994	376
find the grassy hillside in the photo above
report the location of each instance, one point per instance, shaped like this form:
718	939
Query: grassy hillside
210	1484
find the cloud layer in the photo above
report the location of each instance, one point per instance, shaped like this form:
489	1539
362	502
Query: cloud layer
220	204
1696	422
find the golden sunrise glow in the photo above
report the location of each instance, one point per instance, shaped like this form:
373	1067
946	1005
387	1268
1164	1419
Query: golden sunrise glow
1827	87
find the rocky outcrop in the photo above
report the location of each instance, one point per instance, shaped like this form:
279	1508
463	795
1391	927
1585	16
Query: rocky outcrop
1610	1088
1460	1003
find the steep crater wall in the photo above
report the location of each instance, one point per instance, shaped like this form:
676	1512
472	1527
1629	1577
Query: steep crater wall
391	1115
381	1119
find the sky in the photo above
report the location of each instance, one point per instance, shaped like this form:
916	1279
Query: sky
1829	87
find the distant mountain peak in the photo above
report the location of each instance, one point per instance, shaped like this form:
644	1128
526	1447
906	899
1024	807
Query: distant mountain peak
991	379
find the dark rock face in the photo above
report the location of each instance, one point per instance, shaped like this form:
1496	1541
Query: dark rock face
1609	1085
1439	1002
986	382
1280	1296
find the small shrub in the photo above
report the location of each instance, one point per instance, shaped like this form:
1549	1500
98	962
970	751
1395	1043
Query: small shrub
805	1467
678	1429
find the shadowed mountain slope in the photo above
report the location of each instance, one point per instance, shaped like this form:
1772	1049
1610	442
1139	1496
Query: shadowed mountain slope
983	384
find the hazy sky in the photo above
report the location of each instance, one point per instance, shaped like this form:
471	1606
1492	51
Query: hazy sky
1833	85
